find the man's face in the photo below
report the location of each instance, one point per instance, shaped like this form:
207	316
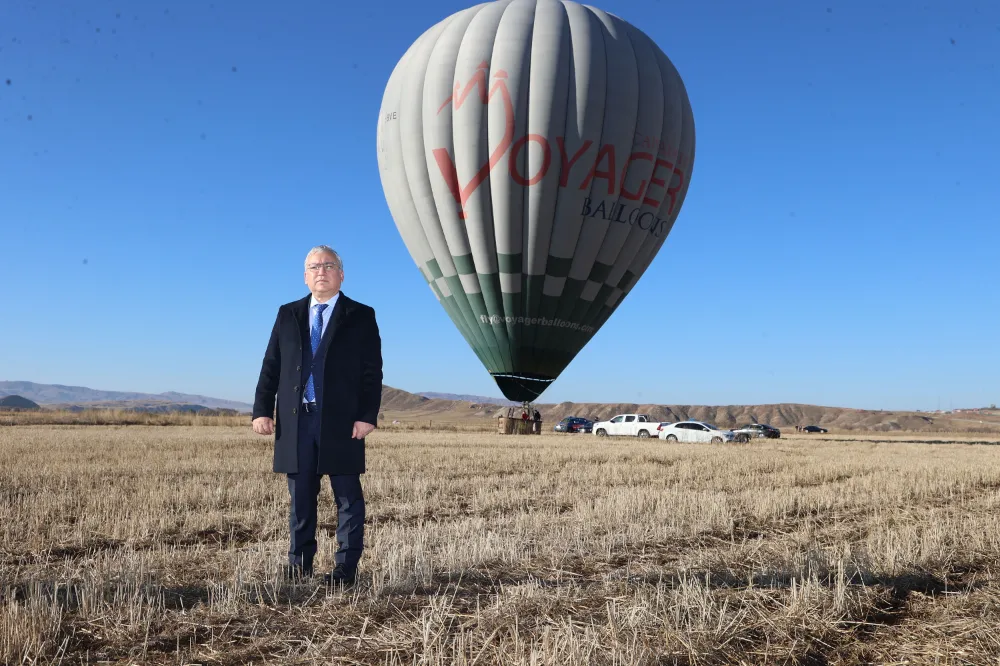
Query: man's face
322	276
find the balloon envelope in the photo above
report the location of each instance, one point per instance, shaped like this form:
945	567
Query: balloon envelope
534	155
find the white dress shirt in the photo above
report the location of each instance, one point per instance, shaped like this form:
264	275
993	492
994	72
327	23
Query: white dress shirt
327	313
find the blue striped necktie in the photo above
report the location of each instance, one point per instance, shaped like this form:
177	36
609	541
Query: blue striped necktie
315	335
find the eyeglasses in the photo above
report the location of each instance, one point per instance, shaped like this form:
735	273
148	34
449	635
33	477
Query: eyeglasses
330	266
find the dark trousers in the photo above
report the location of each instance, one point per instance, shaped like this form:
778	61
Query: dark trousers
304	490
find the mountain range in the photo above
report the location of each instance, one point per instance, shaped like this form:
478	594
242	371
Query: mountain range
53	395
397	404
465	397
451	407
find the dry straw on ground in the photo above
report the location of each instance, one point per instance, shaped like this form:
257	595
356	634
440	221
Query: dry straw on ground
146	544
119	417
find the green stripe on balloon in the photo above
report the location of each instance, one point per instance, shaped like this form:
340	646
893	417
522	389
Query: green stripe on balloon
464	264
498	305
627	282
533	285
600	272
488	303
434	269
509	263
564	308
558	266
462	300
592	312
478	305
454	312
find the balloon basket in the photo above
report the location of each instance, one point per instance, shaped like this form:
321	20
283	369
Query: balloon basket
519	422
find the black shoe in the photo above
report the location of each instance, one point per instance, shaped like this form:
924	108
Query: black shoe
296	572
340	576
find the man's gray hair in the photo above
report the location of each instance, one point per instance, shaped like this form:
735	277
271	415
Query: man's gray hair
325	248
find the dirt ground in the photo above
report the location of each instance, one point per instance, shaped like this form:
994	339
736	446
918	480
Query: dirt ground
145	544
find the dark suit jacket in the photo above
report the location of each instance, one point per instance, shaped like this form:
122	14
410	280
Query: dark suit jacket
352	384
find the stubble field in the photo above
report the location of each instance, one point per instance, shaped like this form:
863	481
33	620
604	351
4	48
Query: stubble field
161	545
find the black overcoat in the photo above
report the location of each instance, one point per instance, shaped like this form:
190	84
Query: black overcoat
352	384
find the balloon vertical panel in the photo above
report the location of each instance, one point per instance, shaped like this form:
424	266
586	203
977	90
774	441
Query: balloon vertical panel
577	149
509	65
407	192
469	105
439	101
537	167
639	168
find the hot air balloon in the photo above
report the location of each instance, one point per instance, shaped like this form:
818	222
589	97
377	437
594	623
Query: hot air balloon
534	155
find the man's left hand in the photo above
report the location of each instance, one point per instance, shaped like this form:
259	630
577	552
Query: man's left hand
361	429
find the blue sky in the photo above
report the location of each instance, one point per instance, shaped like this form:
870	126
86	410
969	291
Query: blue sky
165	166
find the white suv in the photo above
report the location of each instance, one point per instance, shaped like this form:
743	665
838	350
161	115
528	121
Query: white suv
629	425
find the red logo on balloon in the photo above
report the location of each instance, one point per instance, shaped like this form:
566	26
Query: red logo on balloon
666	173
458	97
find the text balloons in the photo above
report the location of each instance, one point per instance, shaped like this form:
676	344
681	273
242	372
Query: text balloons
534	155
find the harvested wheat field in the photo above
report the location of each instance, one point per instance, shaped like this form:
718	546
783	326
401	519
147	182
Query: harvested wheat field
161	545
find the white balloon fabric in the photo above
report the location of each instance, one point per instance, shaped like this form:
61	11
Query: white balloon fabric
534	155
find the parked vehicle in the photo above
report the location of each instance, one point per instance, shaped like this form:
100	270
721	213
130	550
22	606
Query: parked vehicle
755	430
563	426
574	424
814	428
627	425
695	431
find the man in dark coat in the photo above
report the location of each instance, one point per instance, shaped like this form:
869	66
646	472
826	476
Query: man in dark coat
323	366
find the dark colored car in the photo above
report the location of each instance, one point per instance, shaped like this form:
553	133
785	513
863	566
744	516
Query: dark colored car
754	430
814	428
574	424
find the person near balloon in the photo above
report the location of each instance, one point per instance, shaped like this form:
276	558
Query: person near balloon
323	370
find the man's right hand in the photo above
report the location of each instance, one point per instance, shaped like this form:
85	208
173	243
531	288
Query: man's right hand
263	425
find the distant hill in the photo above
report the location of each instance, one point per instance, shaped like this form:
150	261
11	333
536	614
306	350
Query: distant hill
17	402
58	394
480	399
141	406
398	400
79	398
398	404
786	415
